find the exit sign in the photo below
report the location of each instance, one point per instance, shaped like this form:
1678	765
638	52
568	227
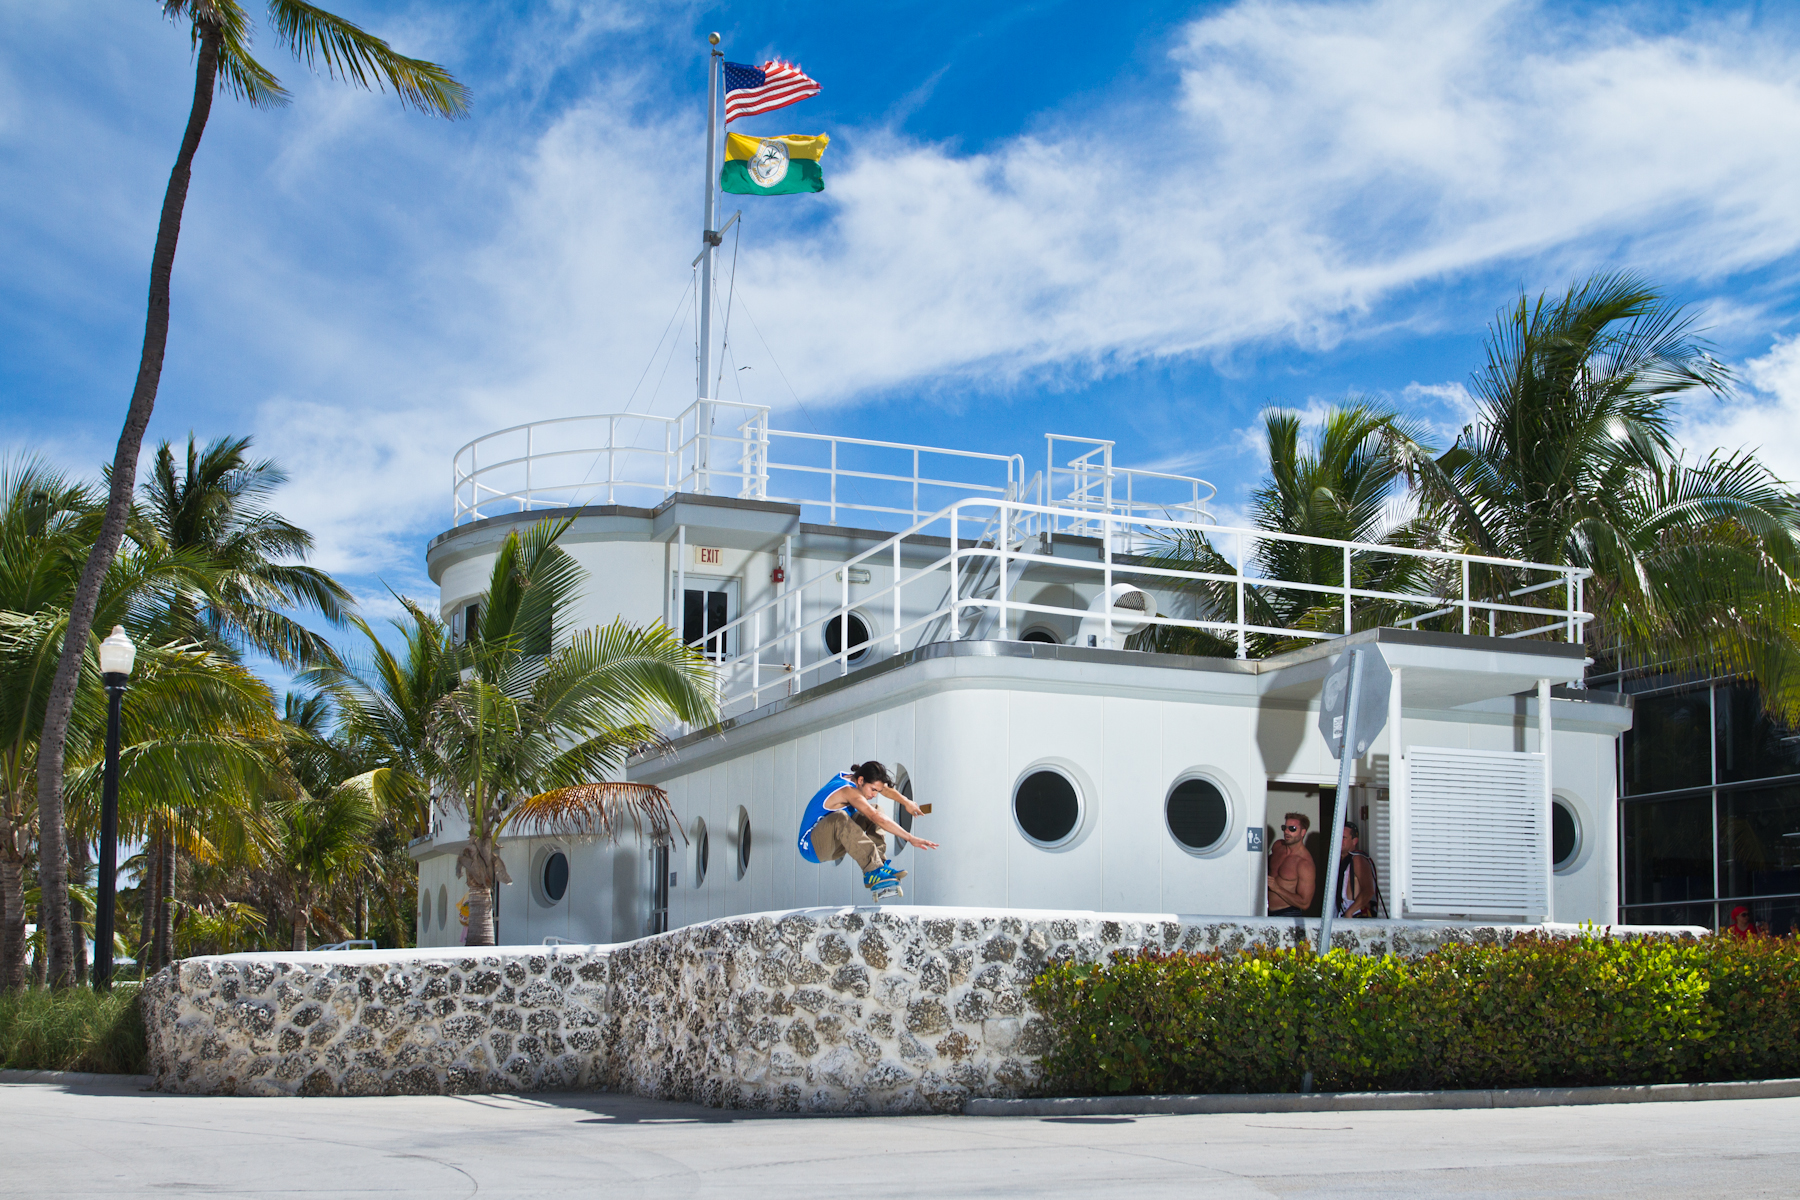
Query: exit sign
709	556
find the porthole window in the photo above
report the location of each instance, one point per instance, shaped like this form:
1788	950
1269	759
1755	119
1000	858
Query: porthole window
1047	806
902	818
1565	834
443	906
553	877
702	851
743	842
425	911
859	636
1198	814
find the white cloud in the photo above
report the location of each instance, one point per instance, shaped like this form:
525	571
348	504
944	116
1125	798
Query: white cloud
1762	416
1319	167
1317	159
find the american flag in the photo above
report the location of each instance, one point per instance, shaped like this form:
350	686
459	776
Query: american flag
752	90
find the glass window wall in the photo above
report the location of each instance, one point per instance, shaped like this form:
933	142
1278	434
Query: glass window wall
1709	809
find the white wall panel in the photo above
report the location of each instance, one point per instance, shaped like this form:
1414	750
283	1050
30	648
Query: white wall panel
1478	833
1133	777
964	774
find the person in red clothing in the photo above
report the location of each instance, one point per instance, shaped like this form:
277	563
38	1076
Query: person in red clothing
1742	926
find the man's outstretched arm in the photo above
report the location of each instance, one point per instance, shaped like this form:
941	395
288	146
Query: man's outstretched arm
874	814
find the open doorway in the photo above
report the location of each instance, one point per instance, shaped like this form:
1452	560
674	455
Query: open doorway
708	605
1308	800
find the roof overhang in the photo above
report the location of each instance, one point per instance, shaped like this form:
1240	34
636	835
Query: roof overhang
1439	670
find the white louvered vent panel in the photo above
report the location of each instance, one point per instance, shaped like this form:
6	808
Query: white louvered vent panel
1478	833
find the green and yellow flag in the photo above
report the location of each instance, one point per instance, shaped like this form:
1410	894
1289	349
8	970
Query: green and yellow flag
773	166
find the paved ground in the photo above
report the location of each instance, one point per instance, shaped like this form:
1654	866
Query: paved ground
103	1140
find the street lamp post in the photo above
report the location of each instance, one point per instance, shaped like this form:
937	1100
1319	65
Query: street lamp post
117	655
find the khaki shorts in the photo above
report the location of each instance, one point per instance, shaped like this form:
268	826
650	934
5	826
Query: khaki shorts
837	834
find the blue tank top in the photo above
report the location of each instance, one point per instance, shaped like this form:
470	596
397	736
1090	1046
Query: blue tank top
815	811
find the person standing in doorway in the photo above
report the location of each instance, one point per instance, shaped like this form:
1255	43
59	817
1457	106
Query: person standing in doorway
1293	877
1358	893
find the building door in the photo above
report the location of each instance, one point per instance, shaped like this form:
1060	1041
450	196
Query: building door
707	608
659	888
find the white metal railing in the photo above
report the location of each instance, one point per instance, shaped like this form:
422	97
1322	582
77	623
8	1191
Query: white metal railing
718	447
894	479
1085	483
612	458
767	646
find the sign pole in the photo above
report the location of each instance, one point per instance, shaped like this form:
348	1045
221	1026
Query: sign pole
1346	753
1346	756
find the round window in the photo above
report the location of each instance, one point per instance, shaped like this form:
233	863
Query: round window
1565	834
443	906
1197	814
1047	807
902	818
555	877
859	636
743	840
702	851
425	912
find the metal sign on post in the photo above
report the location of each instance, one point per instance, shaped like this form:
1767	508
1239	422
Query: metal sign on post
1352	710
1370	702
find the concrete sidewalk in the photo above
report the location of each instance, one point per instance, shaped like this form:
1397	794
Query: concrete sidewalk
110	1139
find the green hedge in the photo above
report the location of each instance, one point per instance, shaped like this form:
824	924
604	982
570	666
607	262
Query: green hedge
73	1030
1537	1012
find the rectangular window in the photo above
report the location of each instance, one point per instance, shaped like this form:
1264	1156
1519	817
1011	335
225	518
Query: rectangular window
1667	857
1750	745
1671	914
1759	841
1669	744
471	621
702	612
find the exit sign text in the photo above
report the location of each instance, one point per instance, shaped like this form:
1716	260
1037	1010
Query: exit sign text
708	556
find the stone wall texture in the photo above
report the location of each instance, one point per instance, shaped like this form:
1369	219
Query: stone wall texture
840	1010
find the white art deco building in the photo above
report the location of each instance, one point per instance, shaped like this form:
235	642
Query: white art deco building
966	618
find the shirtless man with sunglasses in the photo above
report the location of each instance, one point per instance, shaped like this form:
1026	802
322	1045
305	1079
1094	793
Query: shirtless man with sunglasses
1292	875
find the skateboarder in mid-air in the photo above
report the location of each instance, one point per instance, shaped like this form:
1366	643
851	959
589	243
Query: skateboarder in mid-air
830	828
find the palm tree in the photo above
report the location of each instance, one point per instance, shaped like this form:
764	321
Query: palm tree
528	741
221	35
199	744
1571	460
385	708
214	507
322	838
194	723
44	517
1342	487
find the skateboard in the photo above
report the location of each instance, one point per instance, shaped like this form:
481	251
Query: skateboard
890	892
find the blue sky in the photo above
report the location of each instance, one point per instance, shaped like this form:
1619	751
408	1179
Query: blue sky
1138	221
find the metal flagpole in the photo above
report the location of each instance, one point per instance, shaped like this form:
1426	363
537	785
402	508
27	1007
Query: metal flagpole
703	414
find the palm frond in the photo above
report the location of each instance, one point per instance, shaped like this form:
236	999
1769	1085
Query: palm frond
595	808
239	72
347	52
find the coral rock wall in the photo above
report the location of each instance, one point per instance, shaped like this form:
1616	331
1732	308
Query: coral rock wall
859	1010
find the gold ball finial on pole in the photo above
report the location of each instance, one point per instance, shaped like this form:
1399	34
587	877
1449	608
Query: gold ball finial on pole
713	38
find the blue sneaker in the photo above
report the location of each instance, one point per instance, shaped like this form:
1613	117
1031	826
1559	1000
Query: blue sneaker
882	877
